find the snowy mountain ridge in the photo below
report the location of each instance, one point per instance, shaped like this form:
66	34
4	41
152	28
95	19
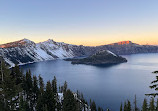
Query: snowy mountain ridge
25	51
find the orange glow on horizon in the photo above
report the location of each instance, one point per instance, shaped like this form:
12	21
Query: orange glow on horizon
87	40
91	43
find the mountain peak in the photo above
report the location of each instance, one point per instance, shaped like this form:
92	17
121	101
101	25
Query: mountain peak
26	40
122	43
49	41
18	43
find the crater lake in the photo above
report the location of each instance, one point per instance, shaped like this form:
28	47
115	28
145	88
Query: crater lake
107	86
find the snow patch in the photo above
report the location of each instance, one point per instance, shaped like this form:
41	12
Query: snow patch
9	62
111	53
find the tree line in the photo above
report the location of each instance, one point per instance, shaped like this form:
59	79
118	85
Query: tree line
27	92
152	105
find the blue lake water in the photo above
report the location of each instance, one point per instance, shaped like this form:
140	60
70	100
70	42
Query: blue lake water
108	86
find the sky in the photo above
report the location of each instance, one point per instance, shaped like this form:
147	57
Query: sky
86	22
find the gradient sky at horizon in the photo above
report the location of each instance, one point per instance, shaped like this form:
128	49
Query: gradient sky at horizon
87	22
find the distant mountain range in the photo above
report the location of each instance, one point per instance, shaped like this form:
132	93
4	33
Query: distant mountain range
25	51
127	47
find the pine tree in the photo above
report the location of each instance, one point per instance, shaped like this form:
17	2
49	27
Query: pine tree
145	105
154	85
78	94
49	97
125	106
69	103
17	74
157	105
54	85
28	84
128	106
26	106
135	104
93	106
1	85
1	71
121	107
100	109
151	105
8	88
59	106
24	86
90	101
65	87
23	105
1	104
40	103
41	86
29	88
40	100
35	90
78	106
54	90
82	98
60	89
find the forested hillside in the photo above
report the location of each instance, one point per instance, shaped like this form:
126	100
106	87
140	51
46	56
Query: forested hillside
26	92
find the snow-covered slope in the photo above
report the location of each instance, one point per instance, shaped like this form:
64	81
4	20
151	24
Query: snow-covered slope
56	49
26	51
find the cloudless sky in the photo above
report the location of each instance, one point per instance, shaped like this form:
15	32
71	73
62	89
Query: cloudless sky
87	22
